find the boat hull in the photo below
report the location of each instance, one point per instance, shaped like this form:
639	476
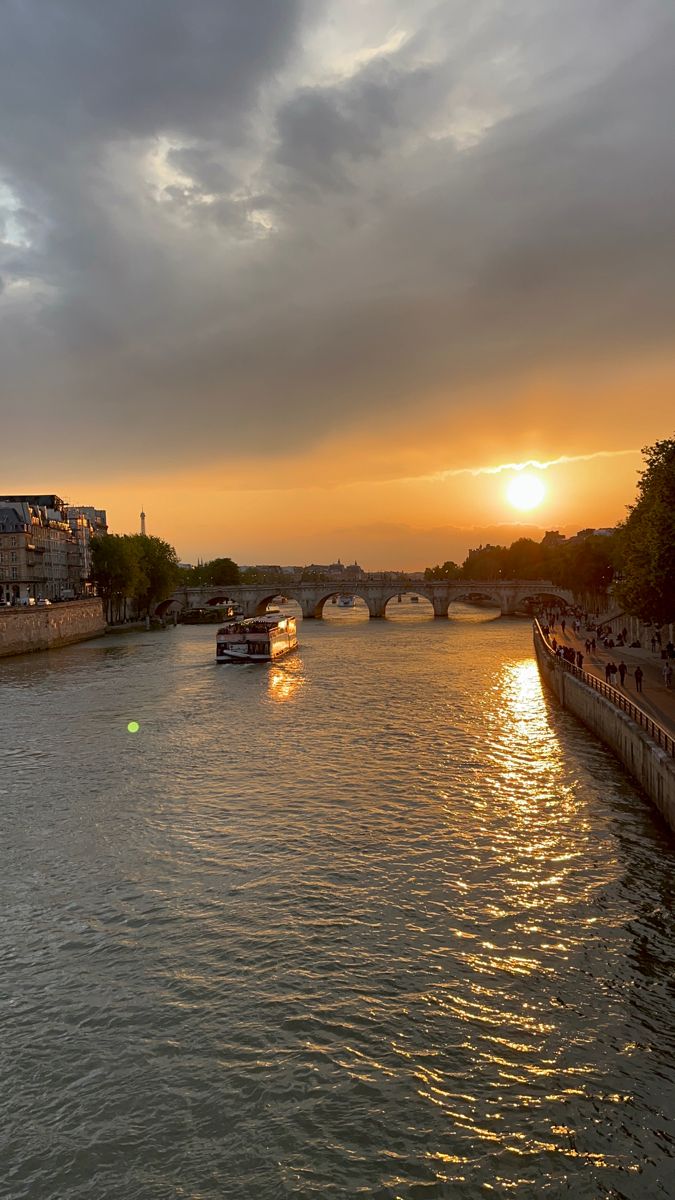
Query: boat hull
229	656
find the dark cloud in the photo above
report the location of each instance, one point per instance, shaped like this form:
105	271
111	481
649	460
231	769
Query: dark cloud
323	130
89	68
201	226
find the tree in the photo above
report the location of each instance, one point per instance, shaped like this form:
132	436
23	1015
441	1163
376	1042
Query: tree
116	572
264	574
220	572
647	539
524	559
449	570
158	571
585	564
486	562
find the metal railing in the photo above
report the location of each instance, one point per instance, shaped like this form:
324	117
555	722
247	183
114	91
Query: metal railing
637	714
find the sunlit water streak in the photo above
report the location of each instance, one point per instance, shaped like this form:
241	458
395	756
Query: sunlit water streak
377	920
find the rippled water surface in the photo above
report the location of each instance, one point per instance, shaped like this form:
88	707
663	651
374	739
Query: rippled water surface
377	921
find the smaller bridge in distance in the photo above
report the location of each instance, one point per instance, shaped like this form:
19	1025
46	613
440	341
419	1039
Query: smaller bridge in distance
510	596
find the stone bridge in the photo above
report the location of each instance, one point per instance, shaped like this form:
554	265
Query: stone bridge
510	596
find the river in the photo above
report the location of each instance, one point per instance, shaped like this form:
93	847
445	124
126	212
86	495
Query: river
376	921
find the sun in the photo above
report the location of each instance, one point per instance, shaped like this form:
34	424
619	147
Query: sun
525	492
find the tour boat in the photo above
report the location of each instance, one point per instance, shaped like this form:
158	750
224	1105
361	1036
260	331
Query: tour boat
346	601
258	639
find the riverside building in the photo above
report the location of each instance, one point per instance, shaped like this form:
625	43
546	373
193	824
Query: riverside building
45	548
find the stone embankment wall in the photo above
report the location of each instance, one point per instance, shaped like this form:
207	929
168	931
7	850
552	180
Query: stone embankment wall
23	630
650	764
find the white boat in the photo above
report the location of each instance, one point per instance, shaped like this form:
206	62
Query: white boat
258	639
345	601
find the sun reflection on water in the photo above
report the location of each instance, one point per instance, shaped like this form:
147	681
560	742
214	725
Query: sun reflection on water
283	684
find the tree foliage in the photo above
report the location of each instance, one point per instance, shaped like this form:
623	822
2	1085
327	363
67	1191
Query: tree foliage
132	569
584	564
485	562
647	539
449	570
158	570
219	572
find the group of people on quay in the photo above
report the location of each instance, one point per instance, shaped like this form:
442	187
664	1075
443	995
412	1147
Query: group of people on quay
600	640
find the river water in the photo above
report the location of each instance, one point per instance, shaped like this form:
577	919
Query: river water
376	921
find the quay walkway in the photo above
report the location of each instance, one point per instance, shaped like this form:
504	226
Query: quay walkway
637	726
655	700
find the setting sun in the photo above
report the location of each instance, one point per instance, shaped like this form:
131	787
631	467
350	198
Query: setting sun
525	492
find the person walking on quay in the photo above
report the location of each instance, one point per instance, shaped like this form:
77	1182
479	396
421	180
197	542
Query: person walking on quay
580	660
562	626
638	679
653	644
668	675
608	672
622	671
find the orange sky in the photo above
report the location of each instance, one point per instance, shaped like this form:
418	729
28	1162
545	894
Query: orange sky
415	492
300	286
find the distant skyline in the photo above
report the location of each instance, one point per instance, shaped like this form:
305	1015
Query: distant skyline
302	279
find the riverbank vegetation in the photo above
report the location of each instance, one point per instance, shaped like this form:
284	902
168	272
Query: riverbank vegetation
217	573
132	573
646	539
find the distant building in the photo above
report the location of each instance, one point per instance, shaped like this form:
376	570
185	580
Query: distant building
85	523
45	547
583	534
336	570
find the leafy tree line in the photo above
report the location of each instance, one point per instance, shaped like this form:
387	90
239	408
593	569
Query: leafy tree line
219	572
647	539
132	573
638	558
585	564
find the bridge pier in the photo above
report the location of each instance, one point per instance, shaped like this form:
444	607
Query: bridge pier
309	612
440	604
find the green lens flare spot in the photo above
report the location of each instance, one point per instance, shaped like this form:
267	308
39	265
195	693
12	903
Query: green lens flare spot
133	727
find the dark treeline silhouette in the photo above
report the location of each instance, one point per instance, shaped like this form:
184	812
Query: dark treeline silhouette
647	539
586	563
216	573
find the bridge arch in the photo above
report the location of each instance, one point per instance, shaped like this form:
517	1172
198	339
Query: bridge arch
477	597
219	601
539	599
319	605
258	606
410	590
172	604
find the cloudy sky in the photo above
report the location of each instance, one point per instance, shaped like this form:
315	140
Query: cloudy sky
296	275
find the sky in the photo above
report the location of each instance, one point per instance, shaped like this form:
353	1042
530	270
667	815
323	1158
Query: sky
310	279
